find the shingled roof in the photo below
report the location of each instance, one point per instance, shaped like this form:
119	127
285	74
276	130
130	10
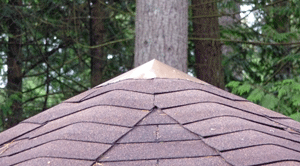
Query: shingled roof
153	115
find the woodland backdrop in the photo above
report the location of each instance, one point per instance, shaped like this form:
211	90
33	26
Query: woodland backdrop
53	49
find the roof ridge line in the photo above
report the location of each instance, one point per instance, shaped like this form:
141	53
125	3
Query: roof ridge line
115	142
201	138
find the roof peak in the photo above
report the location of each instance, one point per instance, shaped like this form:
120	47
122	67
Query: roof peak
153	69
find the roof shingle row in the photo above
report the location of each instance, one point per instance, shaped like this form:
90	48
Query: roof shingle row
153	122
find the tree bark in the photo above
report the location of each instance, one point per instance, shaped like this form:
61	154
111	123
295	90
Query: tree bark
47	81
161	32
282	25
97	31
14	67
207	53
229	21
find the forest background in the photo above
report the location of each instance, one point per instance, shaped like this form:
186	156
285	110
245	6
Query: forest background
52	50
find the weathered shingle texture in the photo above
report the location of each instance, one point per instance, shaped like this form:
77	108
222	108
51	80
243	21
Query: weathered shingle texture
153	122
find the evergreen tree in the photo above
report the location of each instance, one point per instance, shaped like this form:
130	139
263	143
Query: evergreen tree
208	53
161	32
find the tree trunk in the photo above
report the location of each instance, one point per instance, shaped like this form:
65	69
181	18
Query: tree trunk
229	21
96	38
281	22
161	32
47	81
14	65
207	52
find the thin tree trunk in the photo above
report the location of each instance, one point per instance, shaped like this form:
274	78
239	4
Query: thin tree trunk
229	21
161	32
47	81
97	31
208	53
282	25
14	65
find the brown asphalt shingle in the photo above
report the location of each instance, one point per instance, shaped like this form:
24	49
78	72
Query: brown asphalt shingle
248	138
110	115
129	163
258	155
59	149
153	122
214	160
156	86
285	163
290	123
54	162
224	125
203	111
157	117
16	131
119	98
160	150
80	96
89	132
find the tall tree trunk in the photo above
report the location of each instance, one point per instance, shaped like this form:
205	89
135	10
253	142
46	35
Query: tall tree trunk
229	21
281	22
14	65
97	31
161	32
47	81
207	52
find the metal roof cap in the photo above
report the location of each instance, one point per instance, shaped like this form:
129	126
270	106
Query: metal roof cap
153	69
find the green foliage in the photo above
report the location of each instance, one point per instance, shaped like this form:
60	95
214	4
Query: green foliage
256	95
233	84
269	101
7	103
281	96
296	116
5	106
276	36
239	88
56	52
264	65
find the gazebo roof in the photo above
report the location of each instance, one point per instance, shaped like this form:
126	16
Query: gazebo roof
153	115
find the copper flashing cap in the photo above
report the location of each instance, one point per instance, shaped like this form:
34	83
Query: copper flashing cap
153	115
153	69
